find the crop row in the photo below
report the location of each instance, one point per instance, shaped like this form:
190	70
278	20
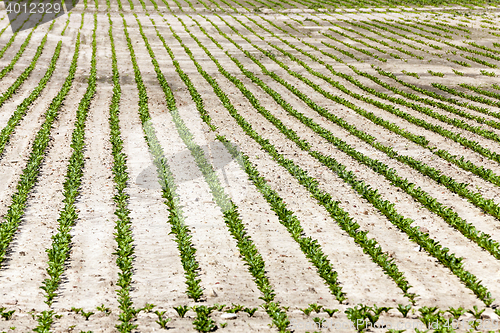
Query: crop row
123	235
474	197
482	240
30	173
482	172
369	246
474	98
391	175
230	212
462	48
166	180
59	252
310	247
22	108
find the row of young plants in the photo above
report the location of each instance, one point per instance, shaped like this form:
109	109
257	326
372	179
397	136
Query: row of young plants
22	108
59	252
30	173
433	94
482	172
471	144
166	179
462	48
474	197
395	40
61	241
361	50
379	41
18	55
246	246
427	111
13	37
309	246
481	91
123	231
370	246
390	174
474	98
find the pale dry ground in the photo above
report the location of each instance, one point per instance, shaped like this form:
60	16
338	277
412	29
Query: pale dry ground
91	274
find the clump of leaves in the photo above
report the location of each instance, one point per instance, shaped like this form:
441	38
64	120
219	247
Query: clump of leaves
148	307
219	307
319	321
307	311
410	74
315	307
7	315
104	309
330	311
250	311
162	321
456	313
86	314
435	73
363	315
203	322
235	309
404	309
458	72
484	72
476	312
181	310
76	310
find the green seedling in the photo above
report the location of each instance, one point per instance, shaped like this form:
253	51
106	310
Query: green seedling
181	310
148	307
104	309
404	309
235	309
76	310
307	311
458	72
86	314
203	322
484	72
250	311
476	312
315	307
7	315
319	321
456	313
359	315
330	311
222	325
161	320
220	307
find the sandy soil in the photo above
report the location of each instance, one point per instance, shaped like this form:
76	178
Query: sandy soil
91	273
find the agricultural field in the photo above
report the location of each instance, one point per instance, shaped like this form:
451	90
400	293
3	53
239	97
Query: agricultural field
251	166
